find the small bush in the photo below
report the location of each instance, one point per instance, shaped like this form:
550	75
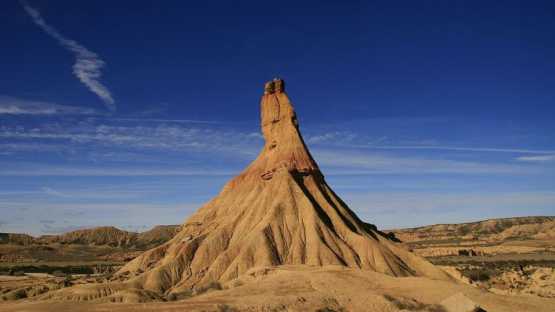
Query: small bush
391	236
67	281
407	304
211	286
180	295
226	308
478	275
172	297
237	283
16	294
58	273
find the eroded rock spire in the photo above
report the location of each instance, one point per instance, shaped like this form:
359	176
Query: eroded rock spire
284	147
278	211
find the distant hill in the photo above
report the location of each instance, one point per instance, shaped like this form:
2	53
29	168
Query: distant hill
98	236
105	235
16	239
542	227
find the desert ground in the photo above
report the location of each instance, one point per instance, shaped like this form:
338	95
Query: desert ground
498	271
305	288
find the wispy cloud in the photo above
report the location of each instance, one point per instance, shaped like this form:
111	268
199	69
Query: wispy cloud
423	208
20	147
52	192
538	158
88	65
457	148
349	139
159	120
88	214
156	137
16	106
106	172
400	202
353	163
228	143
329	137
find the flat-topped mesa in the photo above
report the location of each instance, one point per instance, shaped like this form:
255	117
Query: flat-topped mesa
284	148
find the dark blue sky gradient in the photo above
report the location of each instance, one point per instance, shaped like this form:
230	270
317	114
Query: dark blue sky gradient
403	58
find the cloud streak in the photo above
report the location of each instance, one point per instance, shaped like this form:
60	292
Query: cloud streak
330	139
539	158
30	171
349	163
126	141
88	65
52	192
423	208
348	139
457	148
16	106
158	137
179	121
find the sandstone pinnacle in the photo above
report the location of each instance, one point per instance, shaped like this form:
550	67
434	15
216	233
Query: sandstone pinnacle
278	211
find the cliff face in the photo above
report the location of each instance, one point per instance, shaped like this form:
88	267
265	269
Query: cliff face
278	211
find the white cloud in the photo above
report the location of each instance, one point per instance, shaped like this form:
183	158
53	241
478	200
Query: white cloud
158	120
400	202
16	106
344	162
408	209
331	137
27	214
52	192
232	143
88	65
156	137
540	158
32	171
447	148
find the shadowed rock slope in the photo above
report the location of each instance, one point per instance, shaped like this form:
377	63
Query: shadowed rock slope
278	211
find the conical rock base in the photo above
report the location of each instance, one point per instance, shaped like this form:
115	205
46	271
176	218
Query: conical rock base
278	211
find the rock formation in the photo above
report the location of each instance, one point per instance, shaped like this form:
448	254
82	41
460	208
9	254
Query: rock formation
278	211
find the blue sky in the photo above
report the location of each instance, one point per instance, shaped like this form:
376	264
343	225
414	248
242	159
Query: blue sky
133	115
